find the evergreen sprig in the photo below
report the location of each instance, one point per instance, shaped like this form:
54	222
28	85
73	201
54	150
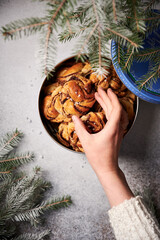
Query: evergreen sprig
48	25
35	213
152	56
95	23
9	142
31	236
26	26
150	77
22	195
14	160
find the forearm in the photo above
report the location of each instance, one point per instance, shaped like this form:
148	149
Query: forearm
115	186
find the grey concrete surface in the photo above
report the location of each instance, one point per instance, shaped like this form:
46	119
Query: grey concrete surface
69	172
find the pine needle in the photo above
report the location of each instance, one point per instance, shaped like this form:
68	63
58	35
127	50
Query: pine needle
14	160
124	37
114	10
95	23
9	142
22	196
30	236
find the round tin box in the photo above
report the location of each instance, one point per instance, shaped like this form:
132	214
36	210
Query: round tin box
52	127
137	70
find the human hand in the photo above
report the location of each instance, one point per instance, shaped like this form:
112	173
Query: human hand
102	148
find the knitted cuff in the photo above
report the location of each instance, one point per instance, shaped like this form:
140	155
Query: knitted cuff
132	221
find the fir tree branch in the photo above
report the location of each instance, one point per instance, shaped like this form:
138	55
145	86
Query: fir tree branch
80	52
24	28
9	142
95	20
66	201
47	60
99	46
135	14
148	79
114	10
145	19
68	23
5	175
149	5
135	11
99	34
148	53
122	36
31	236
118	53
126	64
50	29
21	196
95	11
46	71
15	161
5	172
151	54
66	35
36	212
4	188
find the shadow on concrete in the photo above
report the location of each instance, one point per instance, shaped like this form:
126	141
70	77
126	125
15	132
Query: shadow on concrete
140	140
141	147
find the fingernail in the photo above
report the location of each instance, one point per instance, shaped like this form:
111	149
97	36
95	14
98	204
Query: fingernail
73	118
100	88
109	90
97	94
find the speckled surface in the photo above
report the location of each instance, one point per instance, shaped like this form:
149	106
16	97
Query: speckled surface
69	172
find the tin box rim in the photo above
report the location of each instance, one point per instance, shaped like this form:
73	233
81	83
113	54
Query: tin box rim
127	79
42	117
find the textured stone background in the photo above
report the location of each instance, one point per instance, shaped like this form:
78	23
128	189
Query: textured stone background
69	172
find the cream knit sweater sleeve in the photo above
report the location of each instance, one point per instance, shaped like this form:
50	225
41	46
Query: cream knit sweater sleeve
132	221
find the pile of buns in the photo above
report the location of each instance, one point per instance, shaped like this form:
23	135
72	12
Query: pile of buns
72	93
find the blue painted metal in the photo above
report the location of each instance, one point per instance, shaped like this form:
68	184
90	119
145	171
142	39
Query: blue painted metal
137	70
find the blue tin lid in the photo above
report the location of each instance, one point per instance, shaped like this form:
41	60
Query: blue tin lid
136	71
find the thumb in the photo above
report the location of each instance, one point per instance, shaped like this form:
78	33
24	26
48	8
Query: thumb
80	129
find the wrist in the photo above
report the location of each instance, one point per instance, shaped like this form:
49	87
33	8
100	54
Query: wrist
103	165
106	176
115	187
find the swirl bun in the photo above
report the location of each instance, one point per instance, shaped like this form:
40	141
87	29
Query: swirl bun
71	92
50	88
49	110
94	123
75	97
65	73
100	80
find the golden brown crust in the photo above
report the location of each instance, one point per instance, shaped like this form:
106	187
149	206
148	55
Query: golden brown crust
65	74
115	83
86	69
62	134
73	94
61	72
129	108
94	123
50	88
49	109
100	80
77	96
